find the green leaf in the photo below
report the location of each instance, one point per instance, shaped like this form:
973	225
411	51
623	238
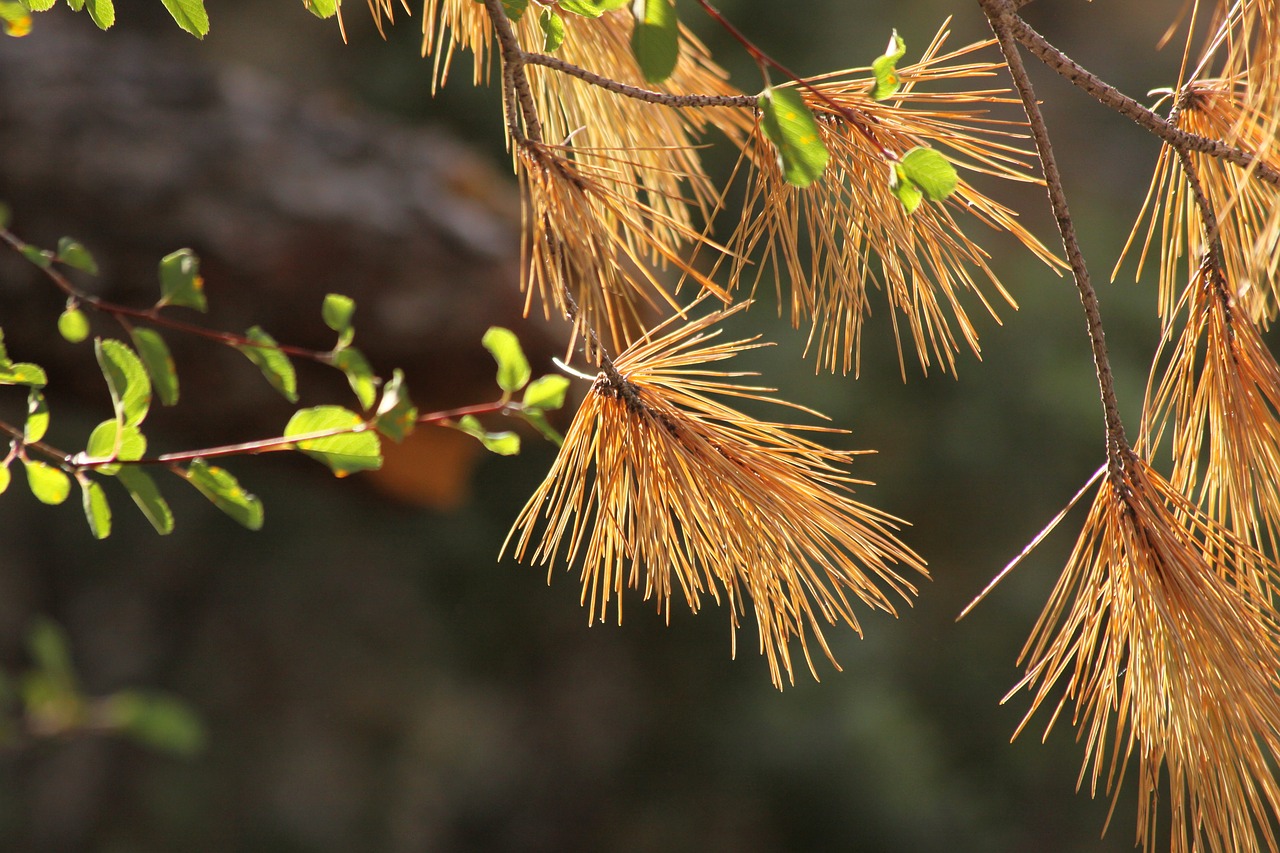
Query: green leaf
158	363
23	373
322	8
76	5
513	367
147	496
180	281
37	423
73	325
791	127
127	380
546	392
103	12
501	443
37	256
336	311
274	364
6	476
39	5
76	256
157	720
513	9
359	375
4	352
397	416
930	171
50	485
538	419
906	191
655	41
109	441
344	453
591	8
552	30
222	489
885	68
190	15
96	508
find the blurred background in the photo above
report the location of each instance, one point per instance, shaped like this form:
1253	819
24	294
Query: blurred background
367	675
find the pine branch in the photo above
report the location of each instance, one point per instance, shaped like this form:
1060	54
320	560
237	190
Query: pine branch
665	99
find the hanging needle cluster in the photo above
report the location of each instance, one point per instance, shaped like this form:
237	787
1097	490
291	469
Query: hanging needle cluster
663	487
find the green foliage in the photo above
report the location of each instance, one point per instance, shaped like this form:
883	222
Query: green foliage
322	8
513	367
37	422
552	30
127	380
274	364
592	8
396	416
180	282
73	325
146	495
352	446
885	68
111	441
922	173
190	15
158	363
502	443
789	124
76	256
225	492
50	485
156	720
655	41
96	508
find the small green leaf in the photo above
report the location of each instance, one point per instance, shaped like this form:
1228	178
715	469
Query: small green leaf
103	12
513	9
37	423
885	69
157	720
273	363
546	392
552	30
591	8
127	380
76	256
190	15
359	375
655	40
73	325
4	352
336	311
501	443
905	189
513	367
930	171
76	5
109	441
538	418
6	476
50	485
789	123
96	508
39	5
180	281
147	496
23	373
397	416
345	452
37	256
322	8
158	363
222	489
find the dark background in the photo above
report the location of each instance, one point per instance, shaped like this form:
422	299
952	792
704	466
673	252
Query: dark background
370	677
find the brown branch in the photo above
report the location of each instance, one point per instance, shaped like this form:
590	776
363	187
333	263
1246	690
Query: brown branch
666	99
1000	14
1126	106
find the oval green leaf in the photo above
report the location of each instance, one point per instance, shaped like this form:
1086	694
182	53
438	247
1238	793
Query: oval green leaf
336	312
109	441
23	373
789	124
37	423
158	363
147	496
501	443
103	12
931	172
127	380
397	416
345	452
180	282
359	375
96	508
73	325
655	40
552	30
50	485
546	392
513	367
273	363
321	8
190	15
76	256
885	69
224	492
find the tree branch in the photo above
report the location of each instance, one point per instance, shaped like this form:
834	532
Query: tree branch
666	99
1000	14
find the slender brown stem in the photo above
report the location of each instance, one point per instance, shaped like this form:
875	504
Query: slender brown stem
666	99
1000	14
1126	106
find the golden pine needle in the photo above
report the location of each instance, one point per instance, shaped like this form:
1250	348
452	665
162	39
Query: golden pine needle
1166	657
662	486
821	238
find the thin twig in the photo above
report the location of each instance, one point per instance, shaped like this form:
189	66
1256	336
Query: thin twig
666	99
1002	18
1126	106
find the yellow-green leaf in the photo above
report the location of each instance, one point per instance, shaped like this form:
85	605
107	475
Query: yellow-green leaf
885	68
501	443
103	12
147	496
96	509
357	449
789	124
225	492
513	367
546	392
397	416
930	171
655	40
5	477
50	485
180	281
127	380
109	441
552	30
190	15
155	356
37	423
76	256
73	325
274	364
359	375
322	8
